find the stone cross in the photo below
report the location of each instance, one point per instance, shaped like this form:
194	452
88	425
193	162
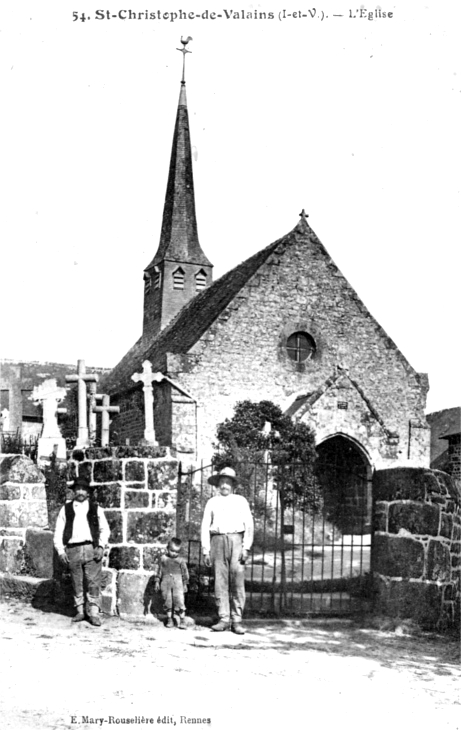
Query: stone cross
81	377
105	409
49	395
147	377
92	401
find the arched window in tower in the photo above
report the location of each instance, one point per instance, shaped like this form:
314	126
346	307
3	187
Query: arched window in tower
200	280
178	279
157	278
147	283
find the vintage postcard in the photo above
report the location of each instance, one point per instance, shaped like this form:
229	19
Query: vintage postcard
203	205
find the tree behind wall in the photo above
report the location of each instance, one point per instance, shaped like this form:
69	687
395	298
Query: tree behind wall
263	444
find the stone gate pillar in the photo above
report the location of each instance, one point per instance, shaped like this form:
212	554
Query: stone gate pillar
416	546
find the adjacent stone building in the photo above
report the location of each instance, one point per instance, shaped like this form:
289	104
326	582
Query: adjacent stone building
284	325
454	453
19	414
445	428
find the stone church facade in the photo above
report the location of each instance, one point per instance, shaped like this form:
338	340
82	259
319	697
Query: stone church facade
284	325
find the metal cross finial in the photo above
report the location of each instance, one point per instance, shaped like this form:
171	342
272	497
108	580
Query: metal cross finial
184	51
303	214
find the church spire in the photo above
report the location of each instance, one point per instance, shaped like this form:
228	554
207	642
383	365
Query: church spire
179	236
179	268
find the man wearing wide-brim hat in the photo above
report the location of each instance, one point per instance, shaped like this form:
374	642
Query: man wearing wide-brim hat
80	536
227	536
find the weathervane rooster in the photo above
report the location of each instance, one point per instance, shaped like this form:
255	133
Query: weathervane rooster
184	51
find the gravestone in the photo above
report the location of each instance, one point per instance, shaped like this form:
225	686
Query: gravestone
48	394
105	409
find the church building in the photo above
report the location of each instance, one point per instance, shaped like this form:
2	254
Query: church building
284	326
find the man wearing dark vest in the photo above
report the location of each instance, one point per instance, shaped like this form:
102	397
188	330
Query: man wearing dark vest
80	537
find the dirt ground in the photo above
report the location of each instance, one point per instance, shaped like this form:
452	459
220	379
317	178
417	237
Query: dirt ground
281	674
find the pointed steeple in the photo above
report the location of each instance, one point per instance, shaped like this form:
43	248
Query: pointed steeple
179	268
179	236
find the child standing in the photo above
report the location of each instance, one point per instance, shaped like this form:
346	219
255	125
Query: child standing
172	579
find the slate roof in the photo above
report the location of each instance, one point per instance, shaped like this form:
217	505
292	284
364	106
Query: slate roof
193	320
453	428
199	314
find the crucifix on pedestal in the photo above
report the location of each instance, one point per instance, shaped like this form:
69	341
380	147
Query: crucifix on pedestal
81	377
147	377
105	409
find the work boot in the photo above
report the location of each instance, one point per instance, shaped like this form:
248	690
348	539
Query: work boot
182	622
93	617
237	628
221	626
169	623
79	616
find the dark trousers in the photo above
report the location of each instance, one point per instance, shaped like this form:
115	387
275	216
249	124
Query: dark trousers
229	576
173	593
86	575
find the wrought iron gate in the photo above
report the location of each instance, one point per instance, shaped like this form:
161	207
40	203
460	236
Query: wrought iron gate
311	551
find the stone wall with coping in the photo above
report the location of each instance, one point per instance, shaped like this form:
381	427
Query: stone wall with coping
416	546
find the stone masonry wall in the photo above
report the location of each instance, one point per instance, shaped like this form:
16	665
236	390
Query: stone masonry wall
243	355
138	496
23	512
416	546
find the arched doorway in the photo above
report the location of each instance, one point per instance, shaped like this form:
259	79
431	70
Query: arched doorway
344	474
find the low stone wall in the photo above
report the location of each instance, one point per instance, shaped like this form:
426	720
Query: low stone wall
416	546
23	512
416	551
138	496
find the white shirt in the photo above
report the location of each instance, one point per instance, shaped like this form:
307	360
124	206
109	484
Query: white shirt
80	528
229	514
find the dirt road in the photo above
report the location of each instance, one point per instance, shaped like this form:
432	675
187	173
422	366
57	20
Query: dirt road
281	674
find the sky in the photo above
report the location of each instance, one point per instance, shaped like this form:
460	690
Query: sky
355	120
